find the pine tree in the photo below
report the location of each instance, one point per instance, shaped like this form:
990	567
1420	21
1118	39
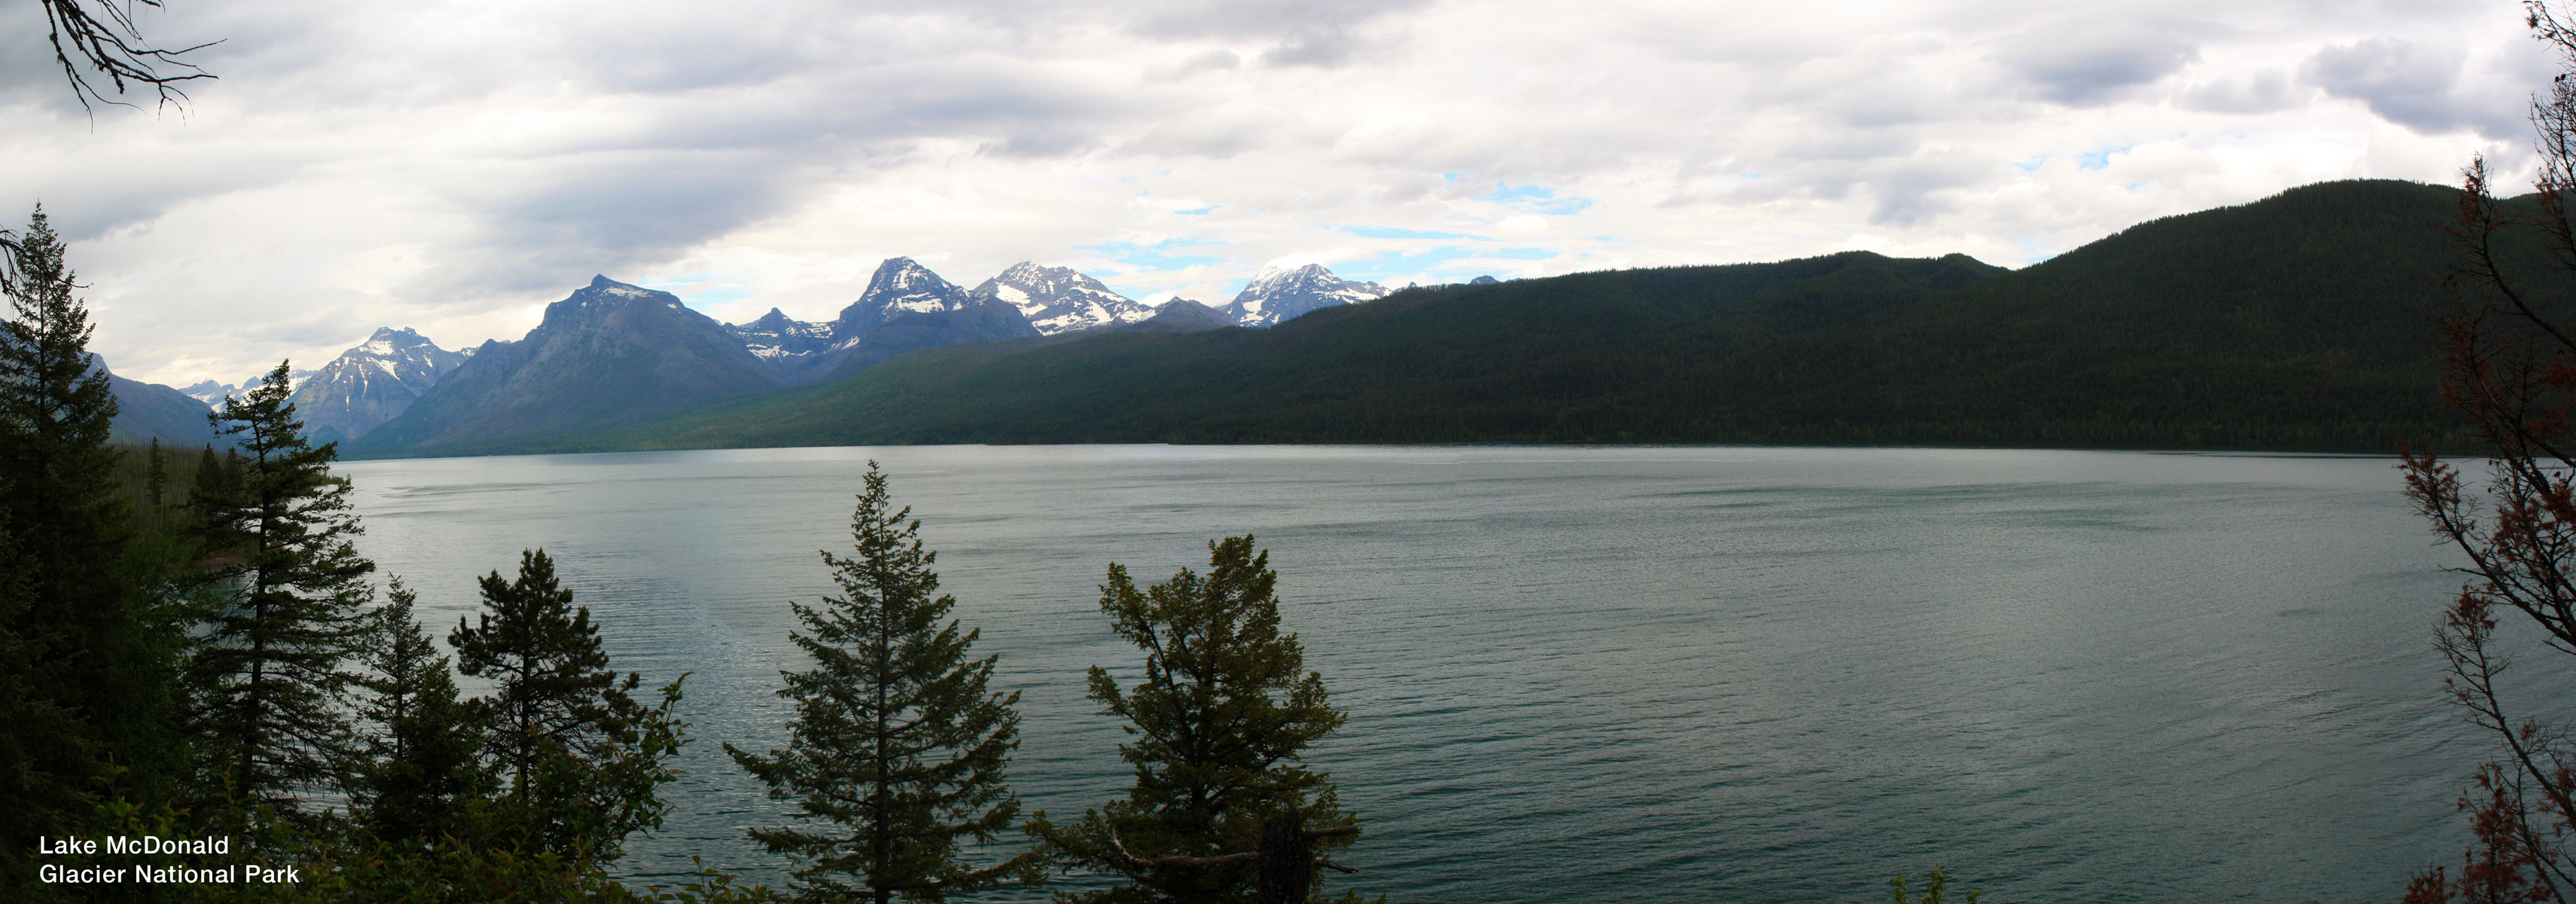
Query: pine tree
44	750
290	588
1222	719
553	688
421	764
583	758
898	740
86	660
156	478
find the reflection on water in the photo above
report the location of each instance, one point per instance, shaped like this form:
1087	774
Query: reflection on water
1585	674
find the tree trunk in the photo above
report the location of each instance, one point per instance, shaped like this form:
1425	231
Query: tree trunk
1287	859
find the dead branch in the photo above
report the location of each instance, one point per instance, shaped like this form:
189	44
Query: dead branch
1176	859
102	37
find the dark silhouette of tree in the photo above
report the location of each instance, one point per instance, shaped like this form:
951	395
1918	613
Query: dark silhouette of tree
83	658
422	763
552	684
1221	719
289	588
2511	370
898	740
581	756
156	477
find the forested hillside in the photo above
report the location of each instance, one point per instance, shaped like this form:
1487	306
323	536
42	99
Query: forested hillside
2300	321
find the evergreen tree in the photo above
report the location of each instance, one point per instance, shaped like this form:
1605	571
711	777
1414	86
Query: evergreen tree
422	761
553	689
1222	720
87	662
898	740
289	589
46	757
156	478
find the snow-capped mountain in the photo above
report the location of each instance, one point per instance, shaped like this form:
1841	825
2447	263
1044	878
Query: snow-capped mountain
1277	294
1181	315
1060	299
1483	281
905	307
776	336
213	393
900	285
210	392
369	384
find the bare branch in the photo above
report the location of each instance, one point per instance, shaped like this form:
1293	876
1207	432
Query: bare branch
1175	859
101	38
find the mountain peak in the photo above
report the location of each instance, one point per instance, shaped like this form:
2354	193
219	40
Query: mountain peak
389	341
370	384
1282	293
899	285
1060	299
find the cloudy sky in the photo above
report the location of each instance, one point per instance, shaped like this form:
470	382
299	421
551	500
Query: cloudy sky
454	166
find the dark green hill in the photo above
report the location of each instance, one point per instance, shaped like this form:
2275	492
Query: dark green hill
150	411
2300	321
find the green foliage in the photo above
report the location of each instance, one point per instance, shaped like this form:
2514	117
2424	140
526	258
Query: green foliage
114	564
83	655
580	755
1221	718
288	587
897	741
552	684
585	796
421	767
2299	321
1933	886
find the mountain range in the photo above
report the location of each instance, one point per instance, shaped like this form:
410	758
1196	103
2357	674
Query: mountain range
613	353
2301	321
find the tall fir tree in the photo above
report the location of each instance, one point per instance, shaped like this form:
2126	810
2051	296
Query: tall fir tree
268	672
421	766
1222	719
552	687
87	656
898	742
156	479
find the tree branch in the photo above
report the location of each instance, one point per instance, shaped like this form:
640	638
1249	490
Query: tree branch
101	36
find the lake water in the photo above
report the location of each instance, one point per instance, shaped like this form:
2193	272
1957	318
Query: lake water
1611	674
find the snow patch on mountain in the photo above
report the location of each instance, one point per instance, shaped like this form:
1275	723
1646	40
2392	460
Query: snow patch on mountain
900	285
369	384
777	337
1060	299
1278	294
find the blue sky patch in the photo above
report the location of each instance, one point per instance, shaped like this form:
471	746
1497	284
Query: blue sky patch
1535	199
2101	158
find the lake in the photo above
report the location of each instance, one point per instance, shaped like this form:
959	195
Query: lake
1610	674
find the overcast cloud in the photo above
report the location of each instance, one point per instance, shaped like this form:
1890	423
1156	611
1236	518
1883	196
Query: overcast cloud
454	166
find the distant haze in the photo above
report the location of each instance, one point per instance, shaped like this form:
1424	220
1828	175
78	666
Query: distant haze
456	167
